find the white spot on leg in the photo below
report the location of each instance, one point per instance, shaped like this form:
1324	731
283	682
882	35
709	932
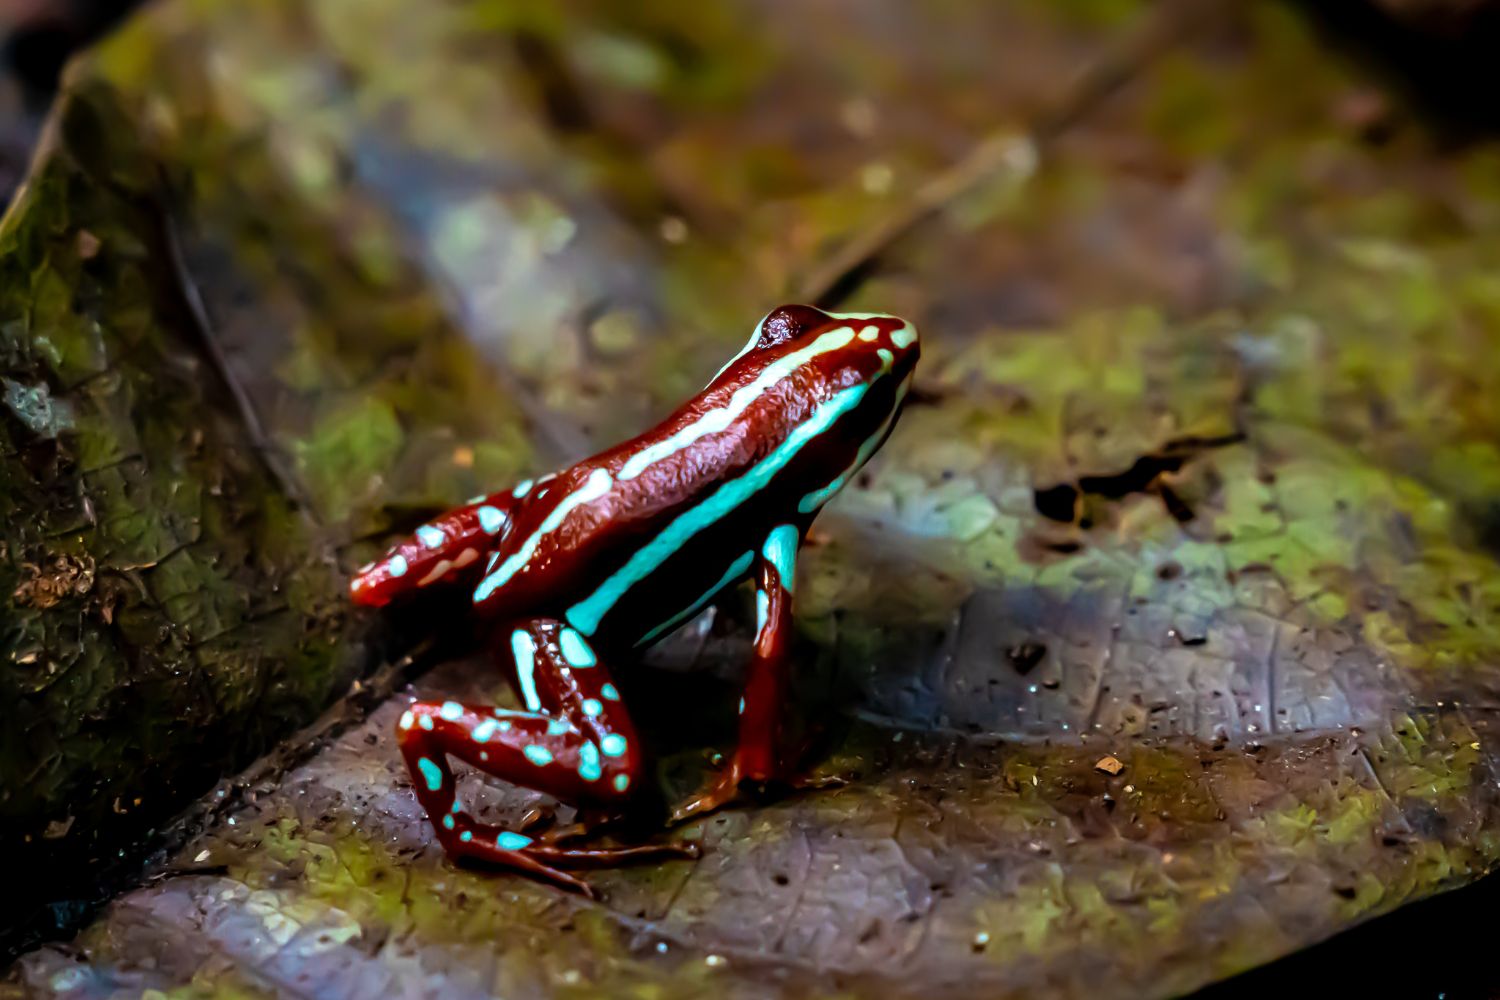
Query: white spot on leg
452	711
613	745
408	719
436	573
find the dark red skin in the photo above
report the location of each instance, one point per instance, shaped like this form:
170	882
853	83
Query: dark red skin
590	563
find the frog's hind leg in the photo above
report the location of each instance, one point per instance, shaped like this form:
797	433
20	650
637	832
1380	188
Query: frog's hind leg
760	760
575	741
445	550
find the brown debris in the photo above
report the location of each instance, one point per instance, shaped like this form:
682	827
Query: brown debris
1108	765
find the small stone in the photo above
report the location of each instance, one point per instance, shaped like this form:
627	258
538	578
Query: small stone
1109	766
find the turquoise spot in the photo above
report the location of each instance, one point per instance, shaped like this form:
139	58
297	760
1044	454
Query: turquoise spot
742	706
512	841
452	711
586	614
448	822
431	772
780	551
522	488
588	762
736	569
557	727
505	726
490	519
396	566
484	731
610	692
407	720
574	649
425	722
622	782
540	756
592	707
523	649
431	537
612	745
466	836
762	611
455	805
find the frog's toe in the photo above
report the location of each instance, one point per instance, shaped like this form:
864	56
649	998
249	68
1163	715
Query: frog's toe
718	795
483	846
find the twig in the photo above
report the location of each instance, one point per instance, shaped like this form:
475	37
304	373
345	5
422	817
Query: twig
1007	151
192	300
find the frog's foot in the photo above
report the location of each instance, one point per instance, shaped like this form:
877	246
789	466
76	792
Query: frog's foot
741	783
722	792
588	822
492	845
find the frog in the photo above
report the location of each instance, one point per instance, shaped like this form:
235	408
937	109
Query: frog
573	573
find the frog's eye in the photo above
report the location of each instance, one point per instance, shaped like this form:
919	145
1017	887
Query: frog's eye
787	323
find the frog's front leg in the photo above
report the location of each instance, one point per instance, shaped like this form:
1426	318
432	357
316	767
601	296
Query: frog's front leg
574	741
446	550
758	759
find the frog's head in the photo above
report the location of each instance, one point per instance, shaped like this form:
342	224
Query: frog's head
888	342
837	381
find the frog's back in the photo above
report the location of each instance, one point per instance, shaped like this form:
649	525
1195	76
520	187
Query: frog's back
624	542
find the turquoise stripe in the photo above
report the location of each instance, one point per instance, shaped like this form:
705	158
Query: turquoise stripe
736	569
819	497
586	614
523	649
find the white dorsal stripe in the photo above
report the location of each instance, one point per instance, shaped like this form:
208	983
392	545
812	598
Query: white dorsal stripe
717	420
598	484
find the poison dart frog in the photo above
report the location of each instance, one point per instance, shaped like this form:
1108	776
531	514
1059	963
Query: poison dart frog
573	570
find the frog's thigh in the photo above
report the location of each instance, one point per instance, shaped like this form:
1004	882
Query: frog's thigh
580	748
